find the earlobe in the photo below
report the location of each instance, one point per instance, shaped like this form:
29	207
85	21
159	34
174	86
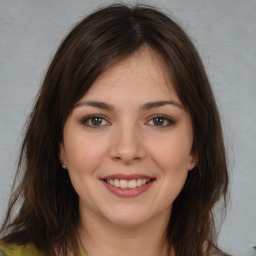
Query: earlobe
62	156
192	162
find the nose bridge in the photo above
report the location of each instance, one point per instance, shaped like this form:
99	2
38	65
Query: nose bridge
127	143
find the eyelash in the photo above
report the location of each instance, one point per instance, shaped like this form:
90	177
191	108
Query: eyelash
164	118
85	121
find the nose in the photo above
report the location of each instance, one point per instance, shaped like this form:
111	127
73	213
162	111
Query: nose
127	145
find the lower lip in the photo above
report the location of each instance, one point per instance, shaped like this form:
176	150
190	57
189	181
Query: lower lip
128	192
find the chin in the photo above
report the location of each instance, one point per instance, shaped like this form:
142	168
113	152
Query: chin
128	222
126	218
130	217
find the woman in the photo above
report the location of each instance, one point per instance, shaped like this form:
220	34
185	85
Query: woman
123	153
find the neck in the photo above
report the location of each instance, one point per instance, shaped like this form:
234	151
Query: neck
99	237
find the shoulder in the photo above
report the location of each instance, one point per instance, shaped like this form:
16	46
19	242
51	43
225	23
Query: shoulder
18	250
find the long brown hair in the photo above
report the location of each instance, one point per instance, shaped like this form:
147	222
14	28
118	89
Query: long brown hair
48	213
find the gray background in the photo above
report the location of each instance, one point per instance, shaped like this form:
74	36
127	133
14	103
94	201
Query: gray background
224	32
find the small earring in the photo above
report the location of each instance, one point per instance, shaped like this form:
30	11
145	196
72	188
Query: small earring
64	166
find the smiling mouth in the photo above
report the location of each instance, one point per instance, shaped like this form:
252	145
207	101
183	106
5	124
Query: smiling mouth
133	183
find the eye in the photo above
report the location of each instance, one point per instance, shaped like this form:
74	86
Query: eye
95	121
160	121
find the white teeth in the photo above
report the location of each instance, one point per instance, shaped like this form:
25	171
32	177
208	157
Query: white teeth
116	183
127	183
132	184
139	182
123	184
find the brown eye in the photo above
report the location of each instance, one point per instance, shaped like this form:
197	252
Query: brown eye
94	121
160	121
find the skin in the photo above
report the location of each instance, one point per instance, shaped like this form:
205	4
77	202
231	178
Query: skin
128	139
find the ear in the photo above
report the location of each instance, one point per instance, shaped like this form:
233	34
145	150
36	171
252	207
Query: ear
192	161
62	154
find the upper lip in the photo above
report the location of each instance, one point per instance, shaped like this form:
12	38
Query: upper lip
126	177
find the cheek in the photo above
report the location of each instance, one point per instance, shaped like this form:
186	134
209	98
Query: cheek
173	164
84	153
173	154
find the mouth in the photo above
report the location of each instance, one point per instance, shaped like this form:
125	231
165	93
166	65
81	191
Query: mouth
128	185
122	183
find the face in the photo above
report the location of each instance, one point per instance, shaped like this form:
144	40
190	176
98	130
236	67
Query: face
127	143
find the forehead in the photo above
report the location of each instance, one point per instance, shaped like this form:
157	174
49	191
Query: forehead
142	74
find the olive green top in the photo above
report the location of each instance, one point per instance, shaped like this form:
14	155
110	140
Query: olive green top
27	250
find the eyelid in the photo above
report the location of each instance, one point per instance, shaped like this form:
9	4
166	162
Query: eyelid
170	120
85	119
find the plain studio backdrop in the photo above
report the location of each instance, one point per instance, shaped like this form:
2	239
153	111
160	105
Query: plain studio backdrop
224	31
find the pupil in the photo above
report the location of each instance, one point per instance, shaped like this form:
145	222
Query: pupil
96	121
158	121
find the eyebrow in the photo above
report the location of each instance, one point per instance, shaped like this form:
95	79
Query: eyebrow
146	106
96	104
156	104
